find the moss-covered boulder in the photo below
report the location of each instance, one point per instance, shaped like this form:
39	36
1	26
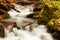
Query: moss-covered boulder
54	24
4	14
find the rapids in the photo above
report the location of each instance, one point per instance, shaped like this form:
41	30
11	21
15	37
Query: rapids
39	32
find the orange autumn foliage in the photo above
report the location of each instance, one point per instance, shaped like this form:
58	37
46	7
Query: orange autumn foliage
11	1
1	17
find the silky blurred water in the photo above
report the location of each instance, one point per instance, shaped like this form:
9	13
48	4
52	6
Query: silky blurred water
39	32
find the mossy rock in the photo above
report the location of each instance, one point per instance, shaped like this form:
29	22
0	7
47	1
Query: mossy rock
6	16
43	20
54	24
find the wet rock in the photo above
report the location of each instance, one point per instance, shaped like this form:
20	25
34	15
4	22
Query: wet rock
2	32
56	35
4	7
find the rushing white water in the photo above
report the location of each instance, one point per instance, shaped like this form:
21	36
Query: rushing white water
24	10
38	32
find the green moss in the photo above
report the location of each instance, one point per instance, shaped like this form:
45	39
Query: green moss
6	16
54	24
